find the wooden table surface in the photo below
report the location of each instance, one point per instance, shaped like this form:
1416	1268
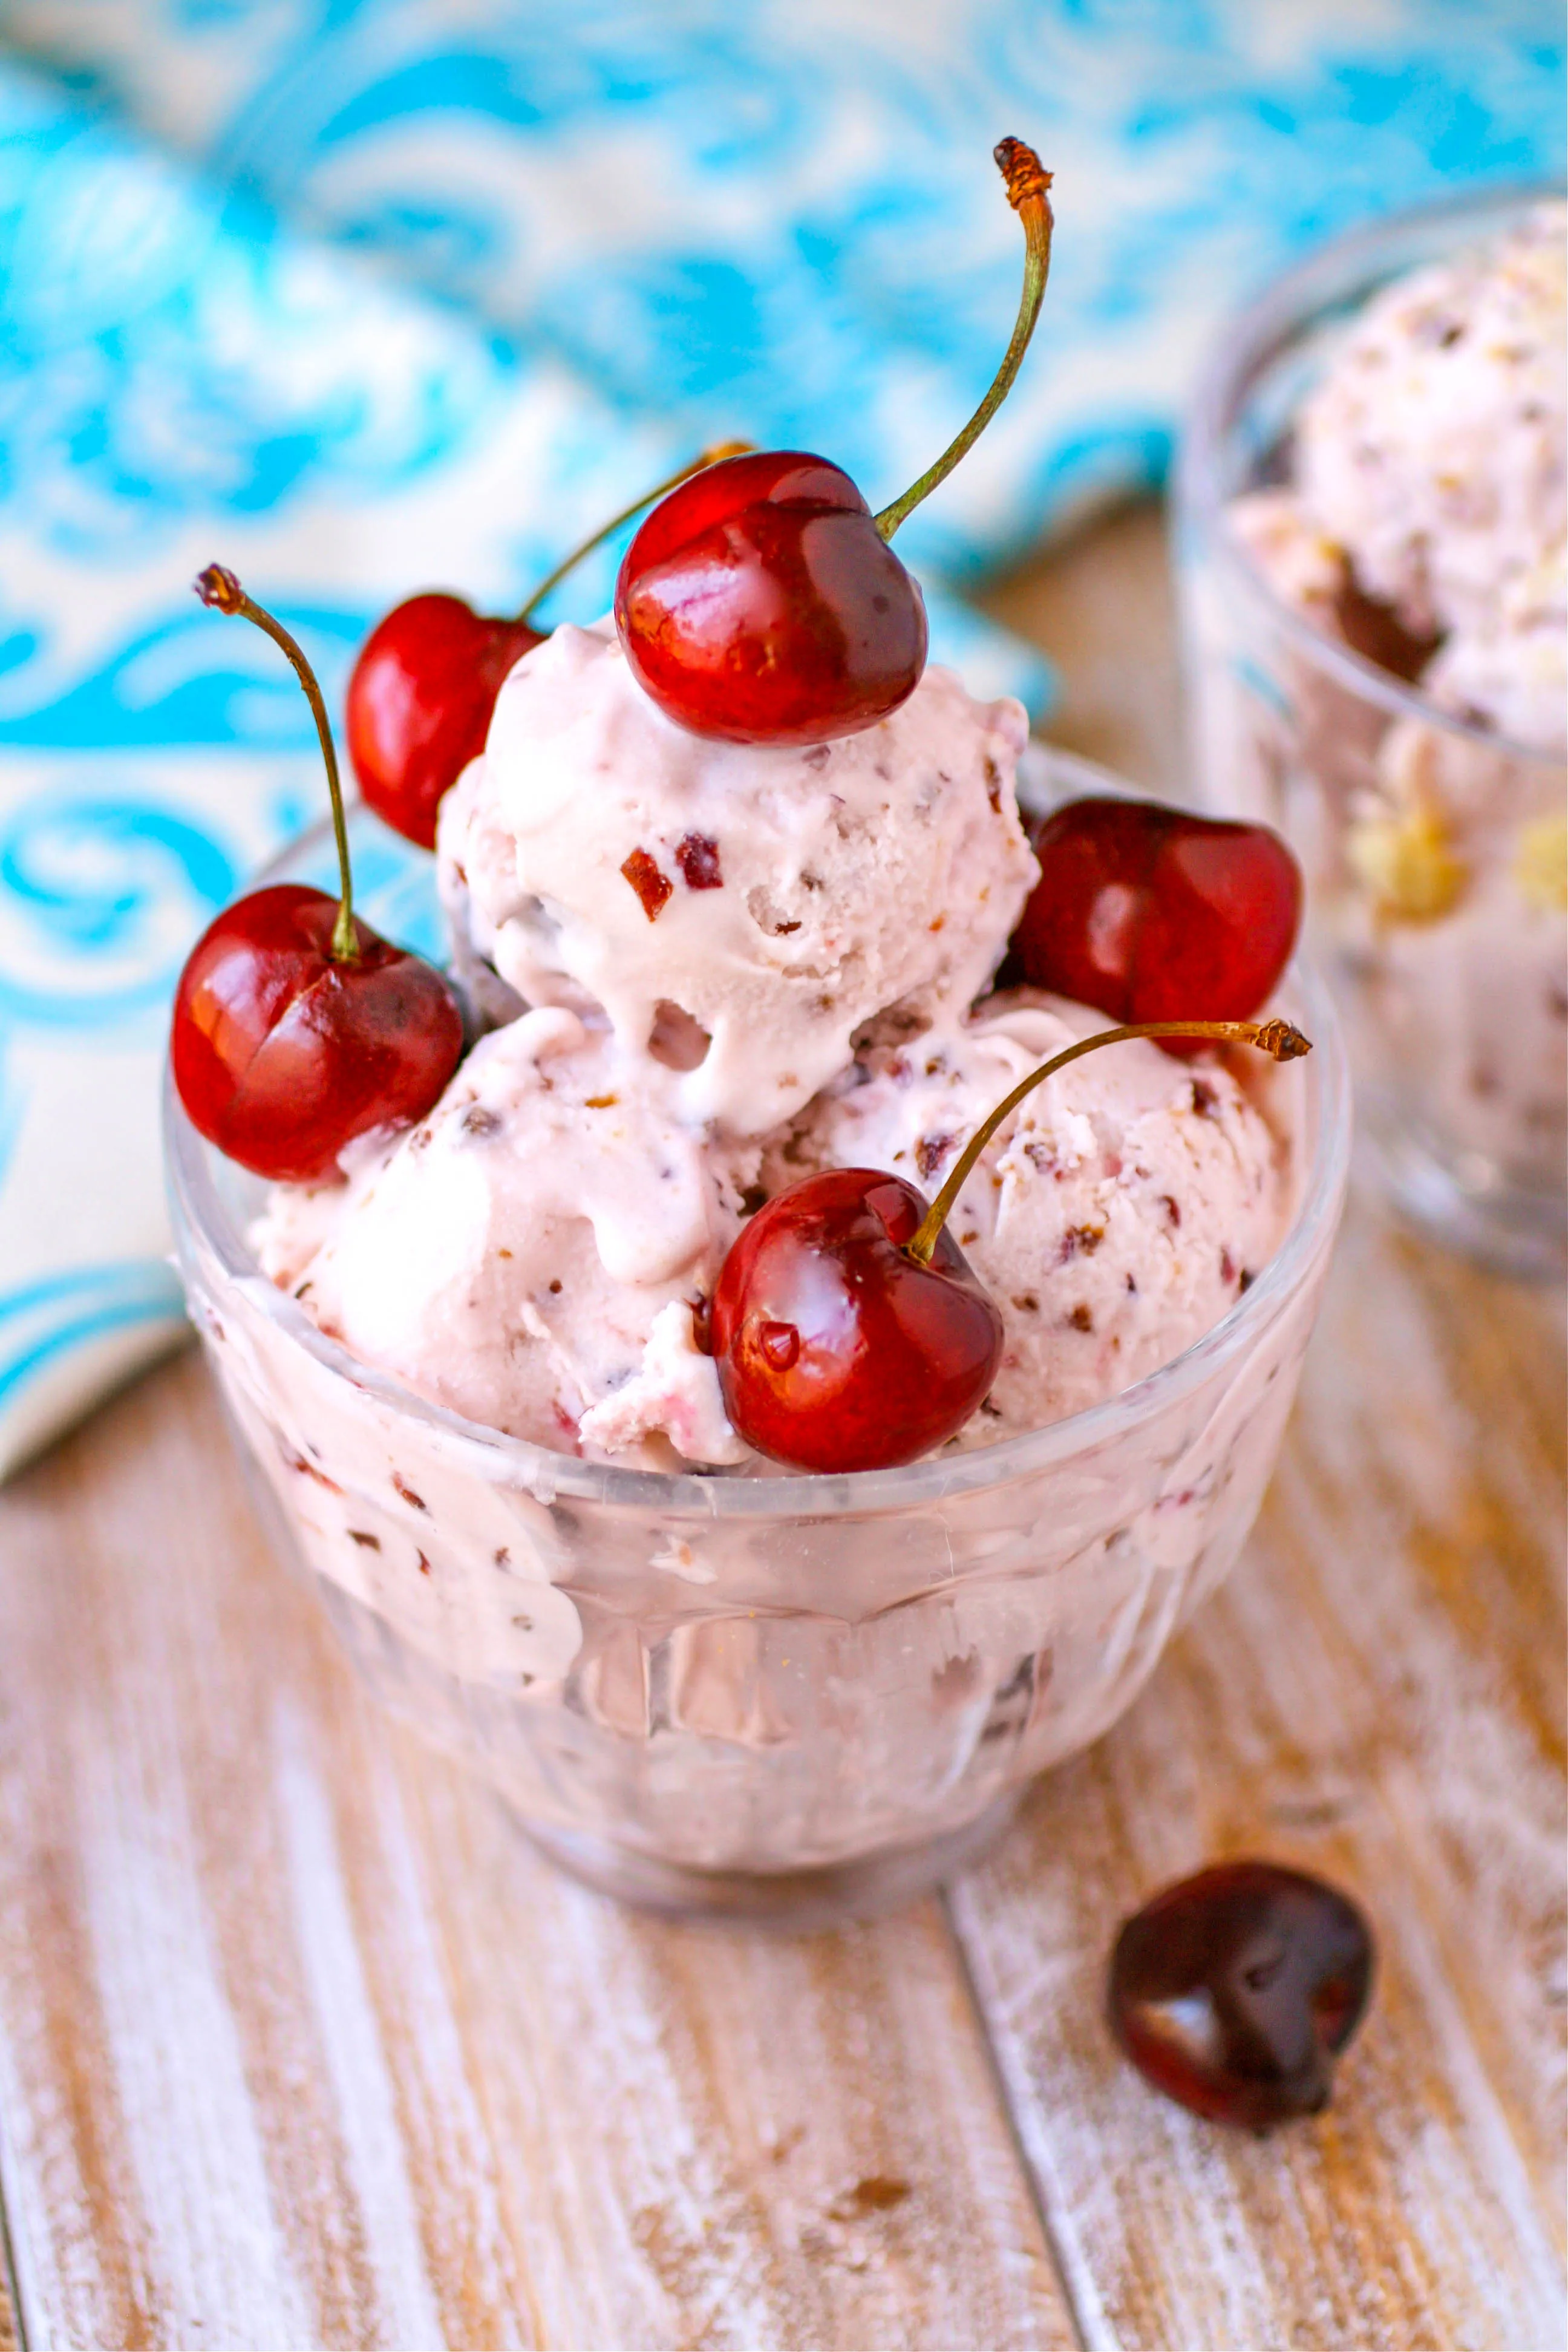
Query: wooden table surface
300	2043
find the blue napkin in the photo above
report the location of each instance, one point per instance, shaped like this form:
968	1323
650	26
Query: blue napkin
365	298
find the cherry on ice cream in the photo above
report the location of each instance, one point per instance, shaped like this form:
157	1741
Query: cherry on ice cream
836	1350
849	1330
1235	1991
419	700
760	602
297	1027
425	683
1140	910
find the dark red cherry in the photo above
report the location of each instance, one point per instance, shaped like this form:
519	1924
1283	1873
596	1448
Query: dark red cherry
1235	1991
1148	913
835	1349
759	603
849	1327
282	1053
419	703
296	1027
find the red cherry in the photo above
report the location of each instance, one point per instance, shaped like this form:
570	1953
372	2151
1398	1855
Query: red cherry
849	1329
1147	912
1235	1991
760	602
296	1027
282	1053
835	1349
419	702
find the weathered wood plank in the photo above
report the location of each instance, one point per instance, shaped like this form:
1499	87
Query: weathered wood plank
300	2043
9	2340
1377	1695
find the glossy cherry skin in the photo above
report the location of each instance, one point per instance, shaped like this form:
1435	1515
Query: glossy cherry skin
837	1351
759	603
1235	1991
281	1056
419	702
1149	913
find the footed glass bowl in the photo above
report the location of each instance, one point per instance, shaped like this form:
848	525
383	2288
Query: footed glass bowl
1447	951
788	1700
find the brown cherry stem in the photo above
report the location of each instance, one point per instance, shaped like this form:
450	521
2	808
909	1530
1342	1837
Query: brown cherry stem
217	586
1281	1039
607	531
1028	181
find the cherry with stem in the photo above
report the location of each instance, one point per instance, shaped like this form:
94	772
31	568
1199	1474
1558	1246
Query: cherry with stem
296	1027
425	682
849	1330
1141	910
761	602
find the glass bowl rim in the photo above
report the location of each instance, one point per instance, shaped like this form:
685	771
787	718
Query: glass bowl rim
1255	333
198	1210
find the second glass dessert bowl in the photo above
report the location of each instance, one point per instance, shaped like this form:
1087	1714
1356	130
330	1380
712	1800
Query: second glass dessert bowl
785	1698
1433	848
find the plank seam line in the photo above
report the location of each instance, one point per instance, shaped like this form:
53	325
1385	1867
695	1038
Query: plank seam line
8	2245
1032	2182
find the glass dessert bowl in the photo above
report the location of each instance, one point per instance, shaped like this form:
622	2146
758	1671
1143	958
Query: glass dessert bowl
1418	777
785	1697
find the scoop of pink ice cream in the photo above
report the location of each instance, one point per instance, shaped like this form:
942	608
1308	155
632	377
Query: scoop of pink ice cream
738	911
1432	452
1115	1217
529	1254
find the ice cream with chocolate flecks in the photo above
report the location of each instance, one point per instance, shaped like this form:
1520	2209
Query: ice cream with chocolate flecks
1116	1216
715	966
529	1255
1420	523
739	912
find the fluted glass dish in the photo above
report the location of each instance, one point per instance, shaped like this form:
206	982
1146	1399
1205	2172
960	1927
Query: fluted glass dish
788	1700
1447	952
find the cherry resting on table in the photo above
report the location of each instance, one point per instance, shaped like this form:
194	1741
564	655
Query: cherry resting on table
849	1330
296	1027
1235	1991
760	602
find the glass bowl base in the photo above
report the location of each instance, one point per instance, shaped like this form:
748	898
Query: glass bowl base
1465	1204
787	1902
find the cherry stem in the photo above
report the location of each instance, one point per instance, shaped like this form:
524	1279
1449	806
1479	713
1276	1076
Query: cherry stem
607	531
1028	181
1281	1039
218	587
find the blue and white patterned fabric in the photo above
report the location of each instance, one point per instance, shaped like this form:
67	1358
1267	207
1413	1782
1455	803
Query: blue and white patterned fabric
365	295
